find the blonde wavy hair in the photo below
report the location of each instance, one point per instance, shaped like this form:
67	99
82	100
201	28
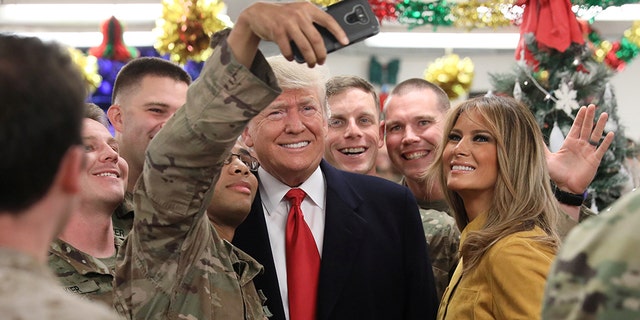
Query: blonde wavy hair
523	197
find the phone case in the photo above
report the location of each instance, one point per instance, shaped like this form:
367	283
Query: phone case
356	19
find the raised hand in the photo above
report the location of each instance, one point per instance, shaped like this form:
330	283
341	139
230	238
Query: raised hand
282	23
574	166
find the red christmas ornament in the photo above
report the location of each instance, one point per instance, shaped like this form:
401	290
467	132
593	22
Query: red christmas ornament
582	68
113	47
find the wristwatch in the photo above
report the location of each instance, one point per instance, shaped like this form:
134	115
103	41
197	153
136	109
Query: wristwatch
568	198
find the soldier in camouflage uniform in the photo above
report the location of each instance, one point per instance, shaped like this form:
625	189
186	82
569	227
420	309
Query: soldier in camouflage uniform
174	265
596	272
42	96
412	116
146	93
354	126
83	256
443	238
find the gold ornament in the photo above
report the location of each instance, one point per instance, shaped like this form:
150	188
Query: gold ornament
481	14
543	77
452	74
602	50
88	65
633	34
325	3
186	26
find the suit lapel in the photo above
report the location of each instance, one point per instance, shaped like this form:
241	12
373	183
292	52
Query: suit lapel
343	235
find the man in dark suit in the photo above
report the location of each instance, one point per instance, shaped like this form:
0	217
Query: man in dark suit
367	231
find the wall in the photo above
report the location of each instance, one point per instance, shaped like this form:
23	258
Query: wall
356	61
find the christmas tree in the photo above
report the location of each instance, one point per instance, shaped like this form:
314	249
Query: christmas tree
554	83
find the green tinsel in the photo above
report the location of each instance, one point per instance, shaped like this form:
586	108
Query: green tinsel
627	50
586	4
415	13
418	13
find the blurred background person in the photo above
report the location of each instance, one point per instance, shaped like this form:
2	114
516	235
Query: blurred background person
42	98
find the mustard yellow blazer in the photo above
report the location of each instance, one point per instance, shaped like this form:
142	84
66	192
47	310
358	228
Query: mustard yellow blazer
508	283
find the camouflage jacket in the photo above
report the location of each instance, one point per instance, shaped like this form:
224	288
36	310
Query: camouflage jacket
443	238
29	291
123	217
81	273
173	265
596	274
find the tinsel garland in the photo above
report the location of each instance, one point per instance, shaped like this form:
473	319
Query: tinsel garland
384	9
470	14
186	26
619	53
325	3
481	13
587	4
418	13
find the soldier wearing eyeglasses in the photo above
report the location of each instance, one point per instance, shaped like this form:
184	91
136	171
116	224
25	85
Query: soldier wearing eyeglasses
177	261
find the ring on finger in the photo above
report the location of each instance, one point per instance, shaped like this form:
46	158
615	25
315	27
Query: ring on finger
593	143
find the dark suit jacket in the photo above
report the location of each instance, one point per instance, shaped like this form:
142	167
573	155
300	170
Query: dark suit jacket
374	264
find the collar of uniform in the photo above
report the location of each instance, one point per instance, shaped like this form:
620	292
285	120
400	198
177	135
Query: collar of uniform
125	209
244	265
82	262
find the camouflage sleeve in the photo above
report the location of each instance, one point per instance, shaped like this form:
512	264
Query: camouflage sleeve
443	239
184	158
596	274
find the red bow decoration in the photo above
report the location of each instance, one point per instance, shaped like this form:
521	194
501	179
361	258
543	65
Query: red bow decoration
552	23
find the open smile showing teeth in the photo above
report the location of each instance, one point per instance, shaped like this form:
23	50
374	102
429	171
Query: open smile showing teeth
296	145
415	155
353	151
462	168
107	174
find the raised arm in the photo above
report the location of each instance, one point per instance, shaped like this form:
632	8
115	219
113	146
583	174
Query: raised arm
282	23
573	167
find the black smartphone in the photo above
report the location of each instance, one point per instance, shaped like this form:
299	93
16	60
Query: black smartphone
356	19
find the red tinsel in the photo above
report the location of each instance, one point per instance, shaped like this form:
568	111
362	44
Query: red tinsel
553	24
113	47
384	9
612	58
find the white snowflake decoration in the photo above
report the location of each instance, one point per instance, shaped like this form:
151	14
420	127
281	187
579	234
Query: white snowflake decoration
566	98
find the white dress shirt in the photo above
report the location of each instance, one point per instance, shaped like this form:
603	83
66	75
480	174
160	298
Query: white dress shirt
276	211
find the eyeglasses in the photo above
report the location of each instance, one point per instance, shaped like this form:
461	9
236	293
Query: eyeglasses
249	161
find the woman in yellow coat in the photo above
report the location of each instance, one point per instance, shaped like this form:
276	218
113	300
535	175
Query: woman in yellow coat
492	161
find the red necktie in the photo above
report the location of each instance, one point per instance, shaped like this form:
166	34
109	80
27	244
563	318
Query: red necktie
303	261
